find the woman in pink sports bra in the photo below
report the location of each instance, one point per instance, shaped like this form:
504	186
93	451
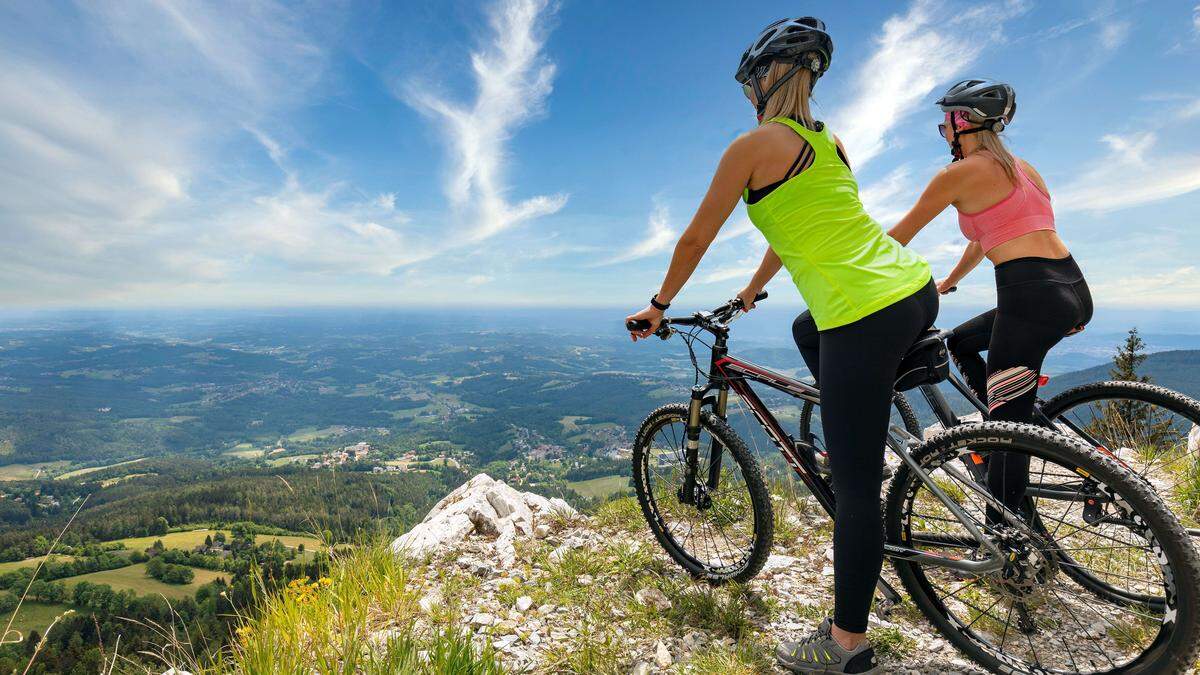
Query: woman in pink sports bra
1004	211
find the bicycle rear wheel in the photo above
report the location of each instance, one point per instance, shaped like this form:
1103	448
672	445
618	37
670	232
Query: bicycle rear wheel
1031	616
724	529
1154	430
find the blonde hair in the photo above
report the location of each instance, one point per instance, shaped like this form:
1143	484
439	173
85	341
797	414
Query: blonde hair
792	97
991	141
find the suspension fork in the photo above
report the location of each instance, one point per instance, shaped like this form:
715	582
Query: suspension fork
691	447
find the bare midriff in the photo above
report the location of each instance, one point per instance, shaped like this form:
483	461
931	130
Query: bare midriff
1039	244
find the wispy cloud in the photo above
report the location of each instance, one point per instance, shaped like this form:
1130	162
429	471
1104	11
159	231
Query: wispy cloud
513	80
915	52
659	238
1178	287
1132	173
890	197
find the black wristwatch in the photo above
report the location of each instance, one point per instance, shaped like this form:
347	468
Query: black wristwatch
658	305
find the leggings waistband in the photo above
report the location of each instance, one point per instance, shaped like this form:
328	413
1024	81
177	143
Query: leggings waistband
1023	270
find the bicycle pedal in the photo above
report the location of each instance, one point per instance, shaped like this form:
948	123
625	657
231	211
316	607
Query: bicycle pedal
883	609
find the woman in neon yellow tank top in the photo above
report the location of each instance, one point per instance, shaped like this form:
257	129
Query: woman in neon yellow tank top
868	298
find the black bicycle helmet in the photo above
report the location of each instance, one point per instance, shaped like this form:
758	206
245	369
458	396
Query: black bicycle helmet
987	100
786	41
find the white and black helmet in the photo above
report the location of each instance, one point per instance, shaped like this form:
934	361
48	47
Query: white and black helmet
987	100
801	41
787	40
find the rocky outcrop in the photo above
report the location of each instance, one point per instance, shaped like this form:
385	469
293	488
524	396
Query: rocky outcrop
602	585
1194	439
484	507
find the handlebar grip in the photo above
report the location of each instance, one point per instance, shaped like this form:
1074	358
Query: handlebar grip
760	296
950	290
637	324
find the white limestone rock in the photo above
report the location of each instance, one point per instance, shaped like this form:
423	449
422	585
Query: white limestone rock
1194	439
486	507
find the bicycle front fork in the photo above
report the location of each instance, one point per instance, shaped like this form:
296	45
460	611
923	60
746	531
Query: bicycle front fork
693	491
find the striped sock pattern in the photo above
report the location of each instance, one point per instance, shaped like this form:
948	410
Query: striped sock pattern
1008	384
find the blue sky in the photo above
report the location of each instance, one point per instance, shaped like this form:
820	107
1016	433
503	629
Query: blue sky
519	152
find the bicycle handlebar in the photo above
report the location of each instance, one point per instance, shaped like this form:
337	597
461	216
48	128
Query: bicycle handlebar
720	315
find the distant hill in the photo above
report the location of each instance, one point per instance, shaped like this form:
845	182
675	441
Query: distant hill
1178	370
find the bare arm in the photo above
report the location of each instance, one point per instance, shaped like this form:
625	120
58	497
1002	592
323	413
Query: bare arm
767	270
940	193
971	257
731	178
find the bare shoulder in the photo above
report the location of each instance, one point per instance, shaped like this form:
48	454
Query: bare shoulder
1033	175
763	135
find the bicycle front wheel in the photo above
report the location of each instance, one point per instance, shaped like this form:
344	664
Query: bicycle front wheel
714	518
1034	615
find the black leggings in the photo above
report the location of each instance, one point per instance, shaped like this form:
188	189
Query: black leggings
1039	302
859	362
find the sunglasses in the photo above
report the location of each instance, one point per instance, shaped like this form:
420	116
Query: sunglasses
748	91
942	130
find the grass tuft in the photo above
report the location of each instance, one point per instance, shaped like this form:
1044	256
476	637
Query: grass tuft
624	514
363	618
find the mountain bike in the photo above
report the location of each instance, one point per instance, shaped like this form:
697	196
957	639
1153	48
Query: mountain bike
1001	584
1152	430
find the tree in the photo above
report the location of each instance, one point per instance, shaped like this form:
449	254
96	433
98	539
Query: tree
8	602
1132	424
1128	358
160	526
208	541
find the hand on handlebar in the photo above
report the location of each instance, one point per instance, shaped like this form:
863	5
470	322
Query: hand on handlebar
748	297
649	321
646	321
944	286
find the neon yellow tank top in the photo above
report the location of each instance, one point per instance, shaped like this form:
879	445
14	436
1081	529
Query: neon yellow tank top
844	264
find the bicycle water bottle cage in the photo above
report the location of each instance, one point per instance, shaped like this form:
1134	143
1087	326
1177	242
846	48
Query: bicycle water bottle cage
927	362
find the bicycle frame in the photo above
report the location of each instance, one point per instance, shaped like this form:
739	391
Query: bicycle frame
728	373
945	415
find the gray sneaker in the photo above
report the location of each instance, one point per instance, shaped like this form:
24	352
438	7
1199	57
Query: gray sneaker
820	653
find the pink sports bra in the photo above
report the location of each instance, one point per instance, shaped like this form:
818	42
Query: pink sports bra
1026	209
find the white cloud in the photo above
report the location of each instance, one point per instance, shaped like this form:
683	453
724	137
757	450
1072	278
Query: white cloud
1133	172
1173	288
743	270
513	80
113	181
1196	20
915	53
1113	34
660	237
108	169
889	198
738	226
